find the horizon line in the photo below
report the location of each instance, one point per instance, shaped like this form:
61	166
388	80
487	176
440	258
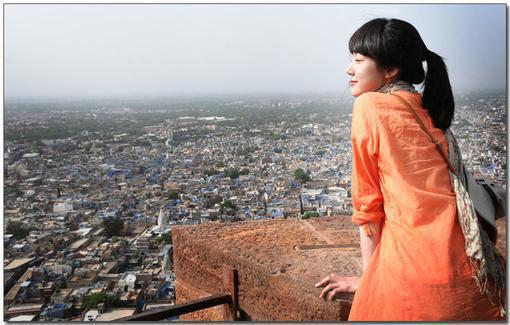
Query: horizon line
213	95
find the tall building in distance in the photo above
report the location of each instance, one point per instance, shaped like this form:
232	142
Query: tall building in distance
162	221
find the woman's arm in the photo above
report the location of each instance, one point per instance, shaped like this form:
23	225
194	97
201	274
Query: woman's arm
367	197
334	284
369	239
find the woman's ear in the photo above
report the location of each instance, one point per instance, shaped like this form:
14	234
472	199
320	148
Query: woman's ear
391	73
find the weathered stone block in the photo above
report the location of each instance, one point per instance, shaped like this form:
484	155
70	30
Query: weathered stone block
278	263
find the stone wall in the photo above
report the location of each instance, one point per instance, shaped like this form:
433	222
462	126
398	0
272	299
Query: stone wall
278	263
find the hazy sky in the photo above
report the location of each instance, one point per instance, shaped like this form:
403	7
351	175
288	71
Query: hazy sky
166	50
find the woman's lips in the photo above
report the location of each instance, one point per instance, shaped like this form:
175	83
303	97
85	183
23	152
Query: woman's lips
352	82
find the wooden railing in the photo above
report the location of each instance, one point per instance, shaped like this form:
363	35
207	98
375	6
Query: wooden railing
228	299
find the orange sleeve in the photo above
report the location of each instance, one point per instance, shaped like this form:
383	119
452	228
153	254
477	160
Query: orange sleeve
367	199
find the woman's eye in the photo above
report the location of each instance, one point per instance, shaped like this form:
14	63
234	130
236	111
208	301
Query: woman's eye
357	60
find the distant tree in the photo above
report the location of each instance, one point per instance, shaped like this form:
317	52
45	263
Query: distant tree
113	226
87	147
92	300
112	301
301	175
244	171
276	137
310	214
18	229
211	201
228	207
321	152
220	164
495	147
210	172
124	243
173	195
165	238
233	173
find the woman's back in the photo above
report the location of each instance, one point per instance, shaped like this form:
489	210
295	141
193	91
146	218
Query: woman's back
419	269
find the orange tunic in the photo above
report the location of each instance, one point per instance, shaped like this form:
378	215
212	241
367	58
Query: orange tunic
419	270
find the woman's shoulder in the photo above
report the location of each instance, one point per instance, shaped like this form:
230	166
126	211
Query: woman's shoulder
368	103
365	109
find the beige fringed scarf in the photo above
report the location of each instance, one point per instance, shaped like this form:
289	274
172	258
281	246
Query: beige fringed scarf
488	266
487	263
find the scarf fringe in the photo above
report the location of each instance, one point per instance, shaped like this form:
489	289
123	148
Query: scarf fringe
486	284
486	262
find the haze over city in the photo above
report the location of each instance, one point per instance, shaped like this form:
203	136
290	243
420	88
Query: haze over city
68	51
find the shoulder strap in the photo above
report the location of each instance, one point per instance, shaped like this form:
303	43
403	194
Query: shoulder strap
439	146
455	156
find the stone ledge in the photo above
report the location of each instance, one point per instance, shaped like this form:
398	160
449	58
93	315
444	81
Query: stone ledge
278	263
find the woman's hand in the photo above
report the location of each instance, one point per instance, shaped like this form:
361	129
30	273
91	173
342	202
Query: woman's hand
335	284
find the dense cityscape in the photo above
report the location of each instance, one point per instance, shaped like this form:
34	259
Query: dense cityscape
93	188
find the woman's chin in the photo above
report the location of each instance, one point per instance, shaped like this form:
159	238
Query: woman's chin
355	92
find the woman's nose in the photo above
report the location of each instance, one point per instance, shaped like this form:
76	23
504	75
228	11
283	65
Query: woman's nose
349	70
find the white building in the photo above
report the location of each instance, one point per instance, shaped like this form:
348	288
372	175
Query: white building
162	221
127	282
62	207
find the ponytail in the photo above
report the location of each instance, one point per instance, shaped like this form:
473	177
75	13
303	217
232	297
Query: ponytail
437	95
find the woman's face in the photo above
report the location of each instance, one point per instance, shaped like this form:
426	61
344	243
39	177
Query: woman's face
365	76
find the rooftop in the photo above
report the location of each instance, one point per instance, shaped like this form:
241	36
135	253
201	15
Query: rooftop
22	318
115	313
77	244
28	307
18	262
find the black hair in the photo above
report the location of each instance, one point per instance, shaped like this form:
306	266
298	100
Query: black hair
394	43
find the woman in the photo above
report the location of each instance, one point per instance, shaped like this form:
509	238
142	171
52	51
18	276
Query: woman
414	259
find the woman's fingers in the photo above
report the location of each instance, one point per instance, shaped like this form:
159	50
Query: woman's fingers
322	282
333	289
336	291
337	284
325	290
